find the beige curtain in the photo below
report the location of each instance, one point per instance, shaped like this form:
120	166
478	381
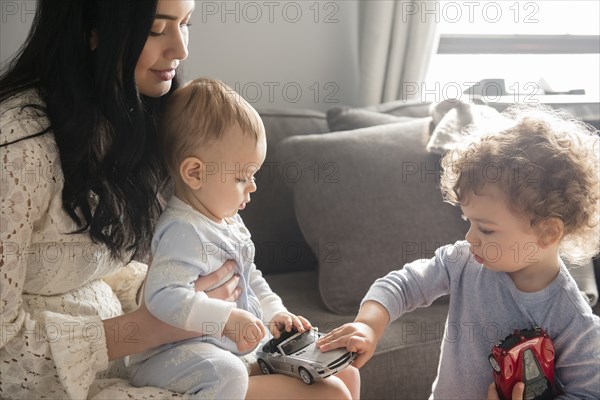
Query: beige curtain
397	39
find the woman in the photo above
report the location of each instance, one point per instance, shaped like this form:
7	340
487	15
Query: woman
80	195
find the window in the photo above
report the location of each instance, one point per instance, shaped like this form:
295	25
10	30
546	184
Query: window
535	47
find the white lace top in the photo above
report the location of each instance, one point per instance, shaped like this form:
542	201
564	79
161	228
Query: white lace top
54	291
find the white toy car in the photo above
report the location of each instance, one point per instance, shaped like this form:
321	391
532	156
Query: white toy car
296	354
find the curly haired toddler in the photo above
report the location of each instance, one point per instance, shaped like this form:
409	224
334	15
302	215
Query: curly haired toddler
531	194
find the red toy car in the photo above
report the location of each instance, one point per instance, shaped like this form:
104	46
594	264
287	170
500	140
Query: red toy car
525	356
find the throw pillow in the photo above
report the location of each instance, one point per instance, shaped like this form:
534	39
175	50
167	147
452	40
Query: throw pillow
404	108
453	119
367	202
343	118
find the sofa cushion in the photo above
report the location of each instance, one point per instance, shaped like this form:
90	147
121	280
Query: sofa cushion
280	246
367	202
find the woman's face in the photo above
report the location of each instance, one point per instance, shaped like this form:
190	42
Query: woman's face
165	48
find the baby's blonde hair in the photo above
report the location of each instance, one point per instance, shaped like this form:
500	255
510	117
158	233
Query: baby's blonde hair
547	165
197	114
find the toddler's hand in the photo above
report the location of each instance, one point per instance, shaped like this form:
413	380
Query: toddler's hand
244	329
517	393
357	337
284	322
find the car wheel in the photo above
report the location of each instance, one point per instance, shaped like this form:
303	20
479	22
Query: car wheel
305	376
264	367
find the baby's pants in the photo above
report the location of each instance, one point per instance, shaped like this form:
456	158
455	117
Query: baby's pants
194	367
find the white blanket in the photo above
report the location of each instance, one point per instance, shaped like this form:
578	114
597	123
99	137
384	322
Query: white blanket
454	120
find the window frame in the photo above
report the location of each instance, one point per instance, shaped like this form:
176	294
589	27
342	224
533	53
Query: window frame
518	44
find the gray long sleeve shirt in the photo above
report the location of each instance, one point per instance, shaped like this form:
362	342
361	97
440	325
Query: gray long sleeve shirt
485	307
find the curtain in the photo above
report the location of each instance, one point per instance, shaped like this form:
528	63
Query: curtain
397	39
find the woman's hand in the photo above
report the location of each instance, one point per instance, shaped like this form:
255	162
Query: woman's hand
284	321
139	331
229	291
517	393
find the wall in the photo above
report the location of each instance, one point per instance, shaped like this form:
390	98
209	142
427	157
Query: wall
299	54
15	20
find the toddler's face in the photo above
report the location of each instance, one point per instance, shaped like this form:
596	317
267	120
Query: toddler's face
500	239
231	165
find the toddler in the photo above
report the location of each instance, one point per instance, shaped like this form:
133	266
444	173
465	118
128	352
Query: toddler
214	143
531	195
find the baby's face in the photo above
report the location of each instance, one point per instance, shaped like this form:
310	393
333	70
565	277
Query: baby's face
231	165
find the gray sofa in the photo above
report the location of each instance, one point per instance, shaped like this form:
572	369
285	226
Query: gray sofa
344	197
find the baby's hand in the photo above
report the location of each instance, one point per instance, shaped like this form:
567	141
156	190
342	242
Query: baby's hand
284	322
244	329
357	337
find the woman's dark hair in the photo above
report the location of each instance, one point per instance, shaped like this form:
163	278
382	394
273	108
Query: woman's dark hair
105	130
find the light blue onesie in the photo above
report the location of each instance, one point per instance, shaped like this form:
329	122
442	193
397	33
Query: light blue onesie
187	244
485	307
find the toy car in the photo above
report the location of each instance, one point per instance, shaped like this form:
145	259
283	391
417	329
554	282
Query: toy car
296	354
525	356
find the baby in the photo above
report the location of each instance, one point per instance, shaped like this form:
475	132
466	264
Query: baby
214	143
531	194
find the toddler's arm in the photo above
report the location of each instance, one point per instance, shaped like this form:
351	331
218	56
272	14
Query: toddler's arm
360	336
415	285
